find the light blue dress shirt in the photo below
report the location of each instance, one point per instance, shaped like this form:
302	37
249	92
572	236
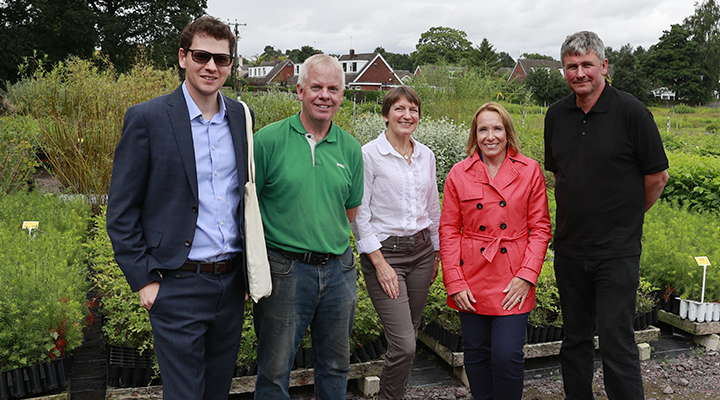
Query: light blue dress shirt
217	236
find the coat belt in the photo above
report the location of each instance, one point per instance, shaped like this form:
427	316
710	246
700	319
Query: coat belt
492	248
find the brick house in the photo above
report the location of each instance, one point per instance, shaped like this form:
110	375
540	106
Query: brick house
368	71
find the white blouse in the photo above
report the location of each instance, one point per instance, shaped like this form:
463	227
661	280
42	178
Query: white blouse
400	199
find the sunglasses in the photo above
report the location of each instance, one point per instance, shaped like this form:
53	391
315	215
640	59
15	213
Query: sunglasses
203	57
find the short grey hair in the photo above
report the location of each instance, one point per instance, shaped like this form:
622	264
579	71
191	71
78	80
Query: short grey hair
319	61
582	43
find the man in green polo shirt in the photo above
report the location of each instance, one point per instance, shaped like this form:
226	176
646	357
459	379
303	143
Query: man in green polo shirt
309	177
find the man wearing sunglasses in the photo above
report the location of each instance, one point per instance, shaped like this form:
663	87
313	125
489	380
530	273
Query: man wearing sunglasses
175	216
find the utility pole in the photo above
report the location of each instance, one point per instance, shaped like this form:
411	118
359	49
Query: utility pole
236	63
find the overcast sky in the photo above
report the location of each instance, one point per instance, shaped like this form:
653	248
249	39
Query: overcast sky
512	26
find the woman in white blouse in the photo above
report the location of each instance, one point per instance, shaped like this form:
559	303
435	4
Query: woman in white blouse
396	230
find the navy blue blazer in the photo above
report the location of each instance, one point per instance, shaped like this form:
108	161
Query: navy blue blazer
153	200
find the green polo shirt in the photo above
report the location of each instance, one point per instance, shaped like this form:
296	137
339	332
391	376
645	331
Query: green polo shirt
303	198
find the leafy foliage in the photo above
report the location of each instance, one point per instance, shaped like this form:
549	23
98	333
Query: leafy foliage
547	85
694	182
42	282
441	45
18	136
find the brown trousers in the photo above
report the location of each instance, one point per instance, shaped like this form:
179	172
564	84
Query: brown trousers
412	257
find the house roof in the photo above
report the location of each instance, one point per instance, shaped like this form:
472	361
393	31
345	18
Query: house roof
272	74
354	56
358	78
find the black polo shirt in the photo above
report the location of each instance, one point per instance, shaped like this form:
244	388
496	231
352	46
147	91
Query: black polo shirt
600	159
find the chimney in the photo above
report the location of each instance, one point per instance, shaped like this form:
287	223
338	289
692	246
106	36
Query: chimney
277	59
352	53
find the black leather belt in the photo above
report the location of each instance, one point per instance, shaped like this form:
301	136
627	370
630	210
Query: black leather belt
217	267
307	258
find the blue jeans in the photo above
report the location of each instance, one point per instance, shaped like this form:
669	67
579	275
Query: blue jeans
322	297
494	358
602	294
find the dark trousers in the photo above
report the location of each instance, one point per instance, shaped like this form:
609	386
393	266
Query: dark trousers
197	325
494	358
602	294
412	258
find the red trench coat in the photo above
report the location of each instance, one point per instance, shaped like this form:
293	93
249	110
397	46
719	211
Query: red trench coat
492	230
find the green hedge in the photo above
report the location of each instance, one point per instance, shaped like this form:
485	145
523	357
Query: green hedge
18	138
43	286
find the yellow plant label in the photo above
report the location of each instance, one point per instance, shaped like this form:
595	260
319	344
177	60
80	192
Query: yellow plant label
702	261
30	224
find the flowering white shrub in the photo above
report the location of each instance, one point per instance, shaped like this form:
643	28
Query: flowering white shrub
443	137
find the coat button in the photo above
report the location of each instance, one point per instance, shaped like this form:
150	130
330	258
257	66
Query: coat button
482	228
502	203
482	250
479	206
503	250
461	263
503	226
188	243
194	209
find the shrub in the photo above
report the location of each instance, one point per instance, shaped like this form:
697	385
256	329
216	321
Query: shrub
694	181
272	106
547	298
42	280
672	237
80	109
444	138
18	136
683	109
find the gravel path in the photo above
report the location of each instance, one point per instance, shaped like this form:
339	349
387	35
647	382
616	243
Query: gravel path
691	377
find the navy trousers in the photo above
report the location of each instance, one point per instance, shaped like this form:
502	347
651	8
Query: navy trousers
599	294
197	326
494	358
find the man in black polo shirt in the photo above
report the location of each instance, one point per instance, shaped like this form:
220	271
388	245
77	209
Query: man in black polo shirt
610	166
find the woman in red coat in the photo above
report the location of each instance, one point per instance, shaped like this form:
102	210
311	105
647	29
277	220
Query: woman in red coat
494	232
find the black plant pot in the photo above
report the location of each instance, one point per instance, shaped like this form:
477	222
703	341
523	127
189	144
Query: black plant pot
654	316
308	357
383	341
558	334
550	333
62	365
34	381
4	391
454	339
354	357
535	338
18	383
370	350
379	348
543	334
51	379
114	375
299	362
362	355
676	305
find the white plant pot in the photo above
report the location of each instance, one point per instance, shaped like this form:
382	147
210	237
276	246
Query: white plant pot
716	312
692	310
709	312
701	309
683	308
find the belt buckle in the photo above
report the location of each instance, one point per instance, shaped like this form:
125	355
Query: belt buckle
215	267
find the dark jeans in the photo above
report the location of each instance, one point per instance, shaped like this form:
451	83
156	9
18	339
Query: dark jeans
494	358
197	325
322	297
602	294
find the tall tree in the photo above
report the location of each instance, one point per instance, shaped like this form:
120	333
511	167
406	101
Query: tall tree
298	56
397	61
536	56
547	85
441	45
506	60
628	77
484	56
704	27
673	62
48	28
127	26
